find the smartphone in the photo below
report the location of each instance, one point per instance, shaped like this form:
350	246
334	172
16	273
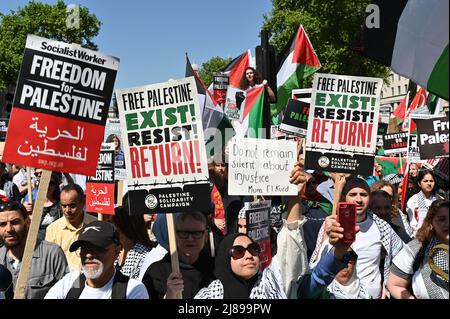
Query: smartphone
346	216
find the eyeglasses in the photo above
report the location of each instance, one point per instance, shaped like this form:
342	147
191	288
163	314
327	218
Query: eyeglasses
237	252
9	205
196	234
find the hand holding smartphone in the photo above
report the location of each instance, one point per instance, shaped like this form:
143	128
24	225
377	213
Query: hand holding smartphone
346	216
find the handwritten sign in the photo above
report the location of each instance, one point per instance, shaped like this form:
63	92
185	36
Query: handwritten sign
343	122
60	107
164	147
261	167
100	187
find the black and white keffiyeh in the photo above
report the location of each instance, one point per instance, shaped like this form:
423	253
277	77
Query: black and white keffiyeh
133	262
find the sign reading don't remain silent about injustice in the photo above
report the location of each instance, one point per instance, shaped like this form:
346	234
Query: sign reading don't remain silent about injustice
165	155
343	122
60	107
261	167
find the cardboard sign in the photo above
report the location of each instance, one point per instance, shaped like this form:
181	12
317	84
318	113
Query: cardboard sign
3	129
113	134
220	86
258	228
164	147
395	143
234	103
261	167
432	137
100	187
343	123
60	107
295	119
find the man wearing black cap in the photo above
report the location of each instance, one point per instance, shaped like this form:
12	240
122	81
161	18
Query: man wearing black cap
376	243
99	246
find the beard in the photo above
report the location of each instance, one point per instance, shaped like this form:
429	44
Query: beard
93	273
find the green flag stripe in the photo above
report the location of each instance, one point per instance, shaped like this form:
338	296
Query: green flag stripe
284	92
438	81
255	117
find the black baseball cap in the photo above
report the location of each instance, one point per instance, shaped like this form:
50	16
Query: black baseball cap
98	233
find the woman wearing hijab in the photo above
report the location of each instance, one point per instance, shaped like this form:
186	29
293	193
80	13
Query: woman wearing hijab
238	277
420	270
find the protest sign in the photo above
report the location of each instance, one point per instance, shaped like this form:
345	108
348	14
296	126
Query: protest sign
440	167
395	143
343	124
295	119
432	137
100	187
261	167
60	106
234	103
165	154
258	228
3	129
385	114
389	165
220	86
413	152
303	95
113	134
382	129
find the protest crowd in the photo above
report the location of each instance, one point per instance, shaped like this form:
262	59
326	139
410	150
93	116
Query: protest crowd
320	210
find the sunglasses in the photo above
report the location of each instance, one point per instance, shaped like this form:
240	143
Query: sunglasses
237	252
12	205
196	234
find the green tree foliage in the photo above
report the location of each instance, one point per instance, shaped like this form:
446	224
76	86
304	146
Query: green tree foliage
213	65
333	26
44	20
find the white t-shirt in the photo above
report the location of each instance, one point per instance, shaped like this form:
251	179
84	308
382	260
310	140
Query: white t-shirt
368	247
411	205
404	261
135	289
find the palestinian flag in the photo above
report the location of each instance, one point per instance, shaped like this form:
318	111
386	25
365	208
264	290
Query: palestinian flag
252	122
237	66
299	60
400	110
413	41
418	102
216	125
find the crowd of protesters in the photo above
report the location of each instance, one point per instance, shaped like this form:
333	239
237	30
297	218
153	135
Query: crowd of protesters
397	253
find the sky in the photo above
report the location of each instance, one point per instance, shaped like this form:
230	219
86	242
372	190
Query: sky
151	36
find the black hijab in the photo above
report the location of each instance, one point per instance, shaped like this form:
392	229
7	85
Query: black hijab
234	287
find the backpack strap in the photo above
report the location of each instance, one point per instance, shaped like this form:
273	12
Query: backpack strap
119	289
77	288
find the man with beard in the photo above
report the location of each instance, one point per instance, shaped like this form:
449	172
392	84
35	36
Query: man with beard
98	246
48	264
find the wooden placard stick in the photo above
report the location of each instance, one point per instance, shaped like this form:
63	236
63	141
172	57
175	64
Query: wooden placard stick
22	280
173	247
401	164
119	192
29	190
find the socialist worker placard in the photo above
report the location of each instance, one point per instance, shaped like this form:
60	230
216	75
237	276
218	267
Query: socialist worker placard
60	107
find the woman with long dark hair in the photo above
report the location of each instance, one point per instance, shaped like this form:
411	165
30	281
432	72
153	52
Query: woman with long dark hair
417	206
420	270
